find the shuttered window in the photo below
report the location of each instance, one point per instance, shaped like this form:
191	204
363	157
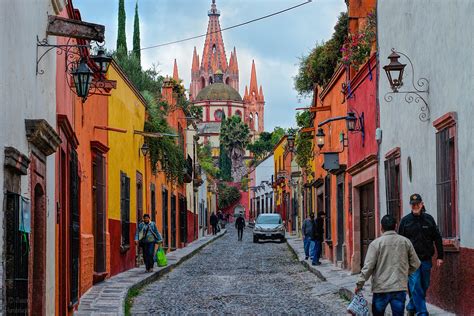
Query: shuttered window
446	182
392	187
125	208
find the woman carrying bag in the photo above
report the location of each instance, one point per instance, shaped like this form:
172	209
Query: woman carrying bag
147	236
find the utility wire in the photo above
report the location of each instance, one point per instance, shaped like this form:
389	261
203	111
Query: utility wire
228	28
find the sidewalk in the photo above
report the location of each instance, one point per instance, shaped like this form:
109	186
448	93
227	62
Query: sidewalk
108	297
338	279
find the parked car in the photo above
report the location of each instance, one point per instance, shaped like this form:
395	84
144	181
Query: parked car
269	226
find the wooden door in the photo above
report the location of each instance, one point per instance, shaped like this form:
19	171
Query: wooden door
340	219
367	218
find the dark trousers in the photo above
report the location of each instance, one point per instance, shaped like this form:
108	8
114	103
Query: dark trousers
214	229
148	250
318	248
240	233
395	299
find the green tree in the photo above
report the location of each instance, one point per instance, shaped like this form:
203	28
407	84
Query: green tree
121	36
318	66
225	164
136	35
304	141
263	146
235	136
227	196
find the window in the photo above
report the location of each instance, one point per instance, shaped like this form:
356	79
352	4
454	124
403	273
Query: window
153	202
327	205
392	184
446	181
139	191
218	115
238	113
125	208
164	213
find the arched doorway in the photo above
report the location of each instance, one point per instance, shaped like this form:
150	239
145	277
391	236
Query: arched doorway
38	253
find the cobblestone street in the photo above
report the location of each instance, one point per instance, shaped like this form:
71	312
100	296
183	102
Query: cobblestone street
231	277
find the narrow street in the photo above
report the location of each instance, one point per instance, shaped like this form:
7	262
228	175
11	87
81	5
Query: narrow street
229	276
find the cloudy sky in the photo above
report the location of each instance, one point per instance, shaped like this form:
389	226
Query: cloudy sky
275	43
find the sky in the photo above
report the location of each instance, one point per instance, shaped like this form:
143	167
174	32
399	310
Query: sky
276	43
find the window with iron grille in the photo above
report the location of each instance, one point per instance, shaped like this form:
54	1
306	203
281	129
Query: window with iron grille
392	187
327	205
139	192
125	208
446	182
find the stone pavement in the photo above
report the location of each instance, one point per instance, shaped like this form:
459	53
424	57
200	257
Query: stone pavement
108	297
342	279
231	277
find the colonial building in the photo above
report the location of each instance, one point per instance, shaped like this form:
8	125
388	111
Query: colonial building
428	142
261	190
215	86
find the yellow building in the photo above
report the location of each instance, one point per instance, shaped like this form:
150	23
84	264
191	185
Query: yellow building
126	169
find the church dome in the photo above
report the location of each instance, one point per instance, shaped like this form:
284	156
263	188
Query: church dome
218	92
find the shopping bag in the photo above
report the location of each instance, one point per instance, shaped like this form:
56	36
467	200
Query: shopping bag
358	306
160	256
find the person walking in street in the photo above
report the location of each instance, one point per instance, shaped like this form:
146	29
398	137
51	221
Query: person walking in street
421	229
307	229
318	237
213	221
390	259
147	236
240	224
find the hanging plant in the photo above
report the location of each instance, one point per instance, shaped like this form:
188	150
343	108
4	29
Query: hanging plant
357	46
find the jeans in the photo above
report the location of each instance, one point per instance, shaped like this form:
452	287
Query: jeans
148	250
395	299
240	232
308	246
418	283
318	248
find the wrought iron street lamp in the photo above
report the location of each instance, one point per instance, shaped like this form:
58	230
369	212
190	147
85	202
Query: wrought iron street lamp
102	60
320	138
351	121
145	149
82	79
291	142
394	71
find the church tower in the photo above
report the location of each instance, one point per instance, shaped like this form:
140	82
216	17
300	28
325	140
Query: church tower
213	58
254	102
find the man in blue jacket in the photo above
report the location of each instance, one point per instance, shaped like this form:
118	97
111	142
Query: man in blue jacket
146	237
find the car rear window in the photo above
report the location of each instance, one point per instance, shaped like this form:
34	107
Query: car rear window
269	220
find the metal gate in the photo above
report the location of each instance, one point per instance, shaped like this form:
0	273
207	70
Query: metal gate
74	228
16	259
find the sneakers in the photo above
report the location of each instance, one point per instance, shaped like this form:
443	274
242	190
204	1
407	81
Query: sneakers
411	313
316	263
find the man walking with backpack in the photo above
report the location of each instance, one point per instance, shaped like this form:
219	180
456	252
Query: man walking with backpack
307	230
389	260
421	229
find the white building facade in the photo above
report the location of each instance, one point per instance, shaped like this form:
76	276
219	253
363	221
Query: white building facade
28	141
262	200
428	148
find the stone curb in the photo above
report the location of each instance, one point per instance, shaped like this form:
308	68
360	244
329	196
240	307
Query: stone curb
116	306
305	263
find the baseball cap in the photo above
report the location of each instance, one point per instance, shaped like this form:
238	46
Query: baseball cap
415	198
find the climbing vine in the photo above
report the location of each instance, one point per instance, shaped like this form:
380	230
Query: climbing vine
357	46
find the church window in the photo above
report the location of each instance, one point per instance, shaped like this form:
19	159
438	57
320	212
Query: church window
238	113
214	48
218	115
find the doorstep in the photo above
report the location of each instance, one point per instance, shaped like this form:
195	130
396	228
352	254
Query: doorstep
108	297
342	281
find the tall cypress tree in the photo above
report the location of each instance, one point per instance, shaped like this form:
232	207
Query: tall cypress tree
136	35
121	36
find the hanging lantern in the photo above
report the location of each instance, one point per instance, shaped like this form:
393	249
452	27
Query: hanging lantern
82	79
102	61
394	71
320	138
145	149
291	142
351	121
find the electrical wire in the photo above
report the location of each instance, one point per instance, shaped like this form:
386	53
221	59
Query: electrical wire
228	28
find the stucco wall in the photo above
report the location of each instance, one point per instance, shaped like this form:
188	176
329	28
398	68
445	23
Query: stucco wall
434	34
26	95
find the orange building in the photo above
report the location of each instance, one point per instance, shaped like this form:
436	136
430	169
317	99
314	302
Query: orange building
330	186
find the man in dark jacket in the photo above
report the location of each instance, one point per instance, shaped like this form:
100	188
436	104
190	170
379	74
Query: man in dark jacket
240	224
318	237
307	229
213	221
421	229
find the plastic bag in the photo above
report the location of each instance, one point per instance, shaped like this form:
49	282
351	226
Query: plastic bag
160	256
358	306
